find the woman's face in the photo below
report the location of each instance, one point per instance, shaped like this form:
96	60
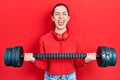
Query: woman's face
60	17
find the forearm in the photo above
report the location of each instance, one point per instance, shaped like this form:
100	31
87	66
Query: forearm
41	64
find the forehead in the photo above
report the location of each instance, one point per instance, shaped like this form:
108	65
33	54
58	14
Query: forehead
60	9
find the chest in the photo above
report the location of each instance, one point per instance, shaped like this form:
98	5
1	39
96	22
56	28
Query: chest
61	46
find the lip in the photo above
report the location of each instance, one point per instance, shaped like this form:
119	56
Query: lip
60	22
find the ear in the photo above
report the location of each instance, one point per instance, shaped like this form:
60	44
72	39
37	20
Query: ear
52	18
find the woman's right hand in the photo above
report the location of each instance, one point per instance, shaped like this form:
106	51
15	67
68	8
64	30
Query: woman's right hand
29	57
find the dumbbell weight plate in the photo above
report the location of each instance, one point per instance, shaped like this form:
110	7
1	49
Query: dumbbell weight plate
108	59
114	57
19	60
104	61
7	57
111	58
101	51
13	56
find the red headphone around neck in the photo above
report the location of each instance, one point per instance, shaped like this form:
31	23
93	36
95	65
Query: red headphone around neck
59	37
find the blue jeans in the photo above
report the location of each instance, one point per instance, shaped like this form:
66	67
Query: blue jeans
70	76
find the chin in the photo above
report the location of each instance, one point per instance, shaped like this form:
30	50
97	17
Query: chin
61	26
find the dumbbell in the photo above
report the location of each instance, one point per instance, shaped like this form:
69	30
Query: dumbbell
15	56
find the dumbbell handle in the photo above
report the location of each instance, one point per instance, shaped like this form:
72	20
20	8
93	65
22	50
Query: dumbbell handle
59	56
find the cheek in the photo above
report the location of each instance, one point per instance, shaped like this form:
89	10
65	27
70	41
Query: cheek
56	17
67	19
54	20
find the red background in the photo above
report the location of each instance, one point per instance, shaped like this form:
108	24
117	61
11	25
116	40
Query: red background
23	22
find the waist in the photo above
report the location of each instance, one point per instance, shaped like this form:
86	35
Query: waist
60	67
59	75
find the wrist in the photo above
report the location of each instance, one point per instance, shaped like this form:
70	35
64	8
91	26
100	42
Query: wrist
33	60
86	60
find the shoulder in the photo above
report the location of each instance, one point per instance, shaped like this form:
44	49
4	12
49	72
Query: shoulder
46	36
75	37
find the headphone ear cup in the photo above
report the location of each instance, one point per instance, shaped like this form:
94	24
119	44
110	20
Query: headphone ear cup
65	36
58	37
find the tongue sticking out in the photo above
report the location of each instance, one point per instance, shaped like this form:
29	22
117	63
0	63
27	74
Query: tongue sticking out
60	23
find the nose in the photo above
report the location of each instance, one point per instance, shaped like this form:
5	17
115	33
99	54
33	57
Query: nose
60	16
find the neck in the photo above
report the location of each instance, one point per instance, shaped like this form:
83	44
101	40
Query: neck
60	31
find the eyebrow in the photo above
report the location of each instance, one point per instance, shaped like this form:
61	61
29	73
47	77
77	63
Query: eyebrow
62	12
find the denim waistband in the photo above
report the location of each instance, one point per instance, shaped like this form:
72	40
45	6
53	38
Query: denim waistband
60	75
65	76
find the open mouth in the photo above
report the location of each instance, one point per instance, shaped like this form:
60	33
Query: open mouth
61	22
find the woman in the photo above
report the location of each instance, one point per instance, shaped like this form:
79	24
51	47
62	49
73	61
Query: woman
60	40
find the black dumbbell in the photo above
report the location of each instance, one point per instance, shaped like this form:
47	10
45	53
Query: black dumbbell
105	56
